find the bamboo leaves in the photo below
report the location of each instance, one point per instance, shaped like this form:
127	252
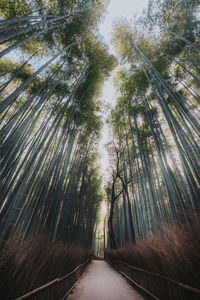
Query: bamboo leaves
158	123
49	179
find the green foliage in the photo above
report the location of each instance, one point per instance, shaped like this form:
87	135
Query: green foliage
53	121
155	120
33	46
14	8
11	68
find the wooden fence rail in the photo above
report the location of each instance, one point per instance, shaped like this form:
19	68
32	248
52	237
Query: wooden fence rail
51	283
180	284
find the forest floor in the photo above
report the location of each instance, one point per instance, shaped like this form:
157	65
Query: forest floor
101	282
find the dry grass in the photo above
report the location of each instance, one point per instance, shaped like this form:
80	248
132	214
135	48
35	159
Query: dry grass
174	252
34	262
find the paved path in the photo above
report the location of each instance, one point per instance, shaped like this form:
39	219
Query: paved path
101	282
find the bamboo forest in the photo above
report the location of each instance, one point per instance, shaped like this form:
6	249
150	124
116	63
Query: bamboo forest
59	213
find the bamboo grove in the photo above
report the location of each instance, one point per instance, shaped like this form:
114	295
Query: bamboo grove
155	153
52	66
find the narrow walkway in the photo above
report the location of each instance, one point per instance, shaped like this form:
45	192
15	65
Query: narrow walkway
101	282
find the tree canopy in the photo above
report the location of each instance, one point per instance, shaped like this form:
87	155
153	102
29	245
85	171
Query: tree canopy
155	122
54	63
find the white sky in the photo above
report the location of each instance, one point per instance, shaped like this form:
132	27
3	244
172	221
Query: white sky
117	8
120	8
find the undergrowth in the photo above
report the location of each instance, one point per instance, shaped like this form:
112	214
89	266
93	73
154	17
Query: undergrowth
34	262
174	252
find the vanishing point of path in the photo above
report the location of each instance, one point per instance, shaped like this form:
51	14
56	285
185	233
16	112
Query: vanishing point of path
101	282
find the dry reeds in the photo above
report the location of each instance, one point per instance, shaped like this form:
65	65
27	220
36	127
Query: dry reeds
34	262
174	252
